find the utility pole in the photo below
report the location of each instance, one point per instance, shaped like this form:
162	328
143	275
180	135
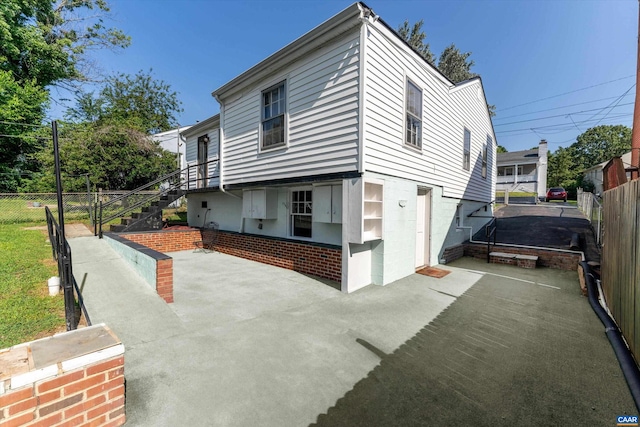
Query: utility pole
635	133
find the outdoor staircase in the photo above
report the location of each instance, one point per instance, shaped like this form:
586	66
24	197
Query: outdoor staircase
150	217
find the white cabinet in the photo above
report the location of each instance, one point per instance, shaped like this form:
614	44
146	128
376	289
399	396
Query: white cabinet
327	204
366	207
260	203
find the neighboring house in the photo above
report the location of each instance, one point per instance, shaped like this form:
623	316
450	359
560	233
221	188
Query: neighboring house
524	170
594	173
172	141
346	153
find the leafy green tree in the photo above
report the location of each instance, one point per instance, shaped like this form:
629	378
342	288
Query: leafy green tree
414	35
561	170
46	41
453	64
21	111
501	149
600	144
108	136
42	43
456	65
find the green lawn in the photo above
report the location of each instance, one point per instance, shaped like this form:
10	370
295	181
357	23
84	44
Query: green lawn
26	309
20	210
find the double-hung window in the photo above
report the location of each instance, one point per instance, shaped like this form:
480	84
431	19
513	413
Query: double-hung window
301	210
414	116
466	154
274	102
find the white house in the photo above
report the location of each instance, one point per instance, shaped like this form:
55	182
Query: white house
345	155
524	170
173	141
594	173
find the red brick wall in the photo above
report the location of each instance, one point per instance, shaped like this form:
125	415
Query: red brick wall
546	258
452	253
301	257
165	241
164	279
92	395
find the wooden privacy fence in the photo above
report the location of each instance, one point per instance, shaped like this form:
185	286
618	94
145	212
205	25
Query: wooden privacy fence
621	259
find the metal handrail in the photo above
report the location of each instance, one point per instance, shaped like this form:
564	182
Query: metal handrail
483	206
491	230
184	179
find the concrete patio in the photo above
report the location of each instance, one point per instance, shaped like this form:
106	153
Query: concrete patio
250	344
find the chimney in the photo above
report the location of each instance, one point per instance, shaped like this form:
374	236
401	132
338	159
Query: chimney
635	133
542	169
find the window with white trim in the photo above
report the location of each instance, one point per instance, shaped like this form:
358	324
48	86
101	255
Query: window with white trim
274	103
459	216
301	210
466	155
414	116
484	159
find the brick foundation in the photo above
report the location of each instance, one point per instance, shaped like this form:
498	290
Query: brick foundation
166	241
77	389
452	253
546	258
319	260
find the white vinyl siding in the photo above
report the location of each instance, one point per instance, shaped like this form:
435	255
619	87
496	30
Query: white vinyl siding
213	169
322	119
388	61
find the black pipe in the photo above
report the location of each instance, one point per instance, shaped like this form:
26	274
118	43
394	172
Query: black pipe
624	356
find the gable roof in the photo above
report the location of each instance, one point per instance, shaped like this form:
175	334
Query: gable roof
524	156
213	121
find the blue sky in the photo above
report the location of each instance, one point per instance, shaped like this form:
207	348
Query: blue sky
536	58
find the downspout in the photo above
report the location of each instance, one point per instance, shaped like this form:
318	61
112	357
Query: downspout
624	356
221	160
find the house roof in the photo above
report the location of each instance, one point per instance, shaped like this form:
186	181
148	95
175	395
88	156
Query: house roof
626	161
524	156
212	121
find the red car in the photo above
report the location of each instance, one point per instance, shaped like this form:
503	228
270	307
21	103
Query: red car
556	193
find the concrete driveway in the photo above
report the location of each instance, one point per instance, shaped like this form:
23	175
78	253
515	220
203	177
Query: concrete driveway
249	344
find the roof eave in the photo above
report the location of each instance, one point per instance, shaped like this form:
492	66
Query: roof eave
212	121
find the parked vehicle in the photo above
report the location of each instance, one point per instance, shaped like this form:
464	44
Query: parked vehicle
556	193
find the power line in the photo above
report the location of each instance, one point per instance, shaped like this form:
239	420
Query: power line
566	125
566	114
565	93
4	122
555	108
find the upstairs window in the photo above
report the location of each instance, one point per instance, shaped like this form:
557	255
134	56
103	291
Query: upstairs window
414	116
484	159
466	153
273	116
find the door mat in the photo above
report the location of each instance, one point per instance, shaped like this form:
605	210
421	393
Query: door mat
433	272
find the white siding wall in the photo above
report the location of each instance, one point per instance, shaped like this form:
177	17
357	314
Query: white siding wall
445	113
212	153
226	210
322	108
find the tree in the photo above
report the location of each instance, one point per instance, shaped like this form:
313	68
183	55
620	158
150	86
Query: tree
456	65
596	145
501	149
600	144
415	37
21	111
107	136
42	43
46	42
453	64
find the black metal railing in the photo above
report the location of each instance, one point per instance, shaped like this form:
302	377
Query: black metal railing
485	206
188	178
61	252
490	231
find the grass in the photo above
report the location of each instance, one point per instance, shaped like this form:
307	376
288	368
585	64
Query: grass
26	309
21	210
516	194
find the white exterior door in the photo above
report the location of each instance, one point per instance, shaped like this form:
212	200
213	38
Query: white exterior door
423	209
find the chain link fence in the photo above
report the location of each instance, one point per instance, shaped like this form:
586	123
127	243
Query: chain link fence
592	209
